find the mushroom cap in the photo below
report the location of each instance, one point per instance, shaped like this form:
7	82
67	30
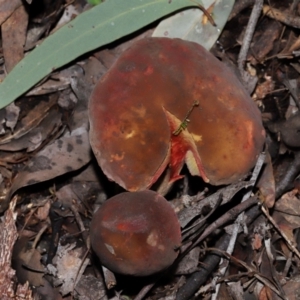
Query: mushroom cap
136	233
158	80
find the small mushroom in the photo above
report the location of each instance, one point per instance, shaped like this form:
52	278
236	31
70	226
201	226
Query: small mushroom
136	233
167	102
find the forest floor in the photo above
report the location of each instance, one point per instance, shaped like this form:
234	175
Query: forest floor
239	241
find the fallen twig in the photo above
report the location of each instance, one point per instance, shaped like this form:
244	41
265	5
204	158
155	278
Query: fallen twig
237	225
284	17
290	244
248	37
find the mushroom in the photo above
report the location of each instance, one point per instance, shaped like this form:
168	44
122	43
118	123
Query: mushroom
136	233
167	102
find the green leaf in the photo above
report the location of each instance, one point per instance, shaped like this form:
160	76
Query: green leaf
94	2
99	26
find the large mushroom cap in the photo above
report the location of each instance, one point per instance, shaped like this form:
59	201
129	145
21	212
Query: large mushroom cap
136	233
144	98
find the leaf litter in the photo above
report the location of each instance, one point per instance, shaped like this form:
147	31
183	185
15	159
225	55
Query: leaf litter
51	185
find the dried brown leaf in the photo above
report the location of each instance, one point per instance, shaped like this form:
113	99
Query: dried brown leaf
7	8
266	182
34	138
64	155
292	288
13	37
31	120
288	207
31	268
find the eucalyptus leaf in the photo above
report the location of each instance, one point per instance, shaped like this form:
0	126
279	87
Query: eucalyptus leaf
191	25
94	2
92	29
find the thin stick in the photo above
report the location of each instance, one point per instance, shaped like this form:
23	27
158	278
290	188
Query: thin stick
184	123
237	224
206	13
256	11
290	243
144	291
284	17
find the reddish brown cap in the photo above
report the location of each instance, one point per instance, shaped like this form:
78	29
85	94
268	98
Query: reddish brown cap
141	101
136	233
